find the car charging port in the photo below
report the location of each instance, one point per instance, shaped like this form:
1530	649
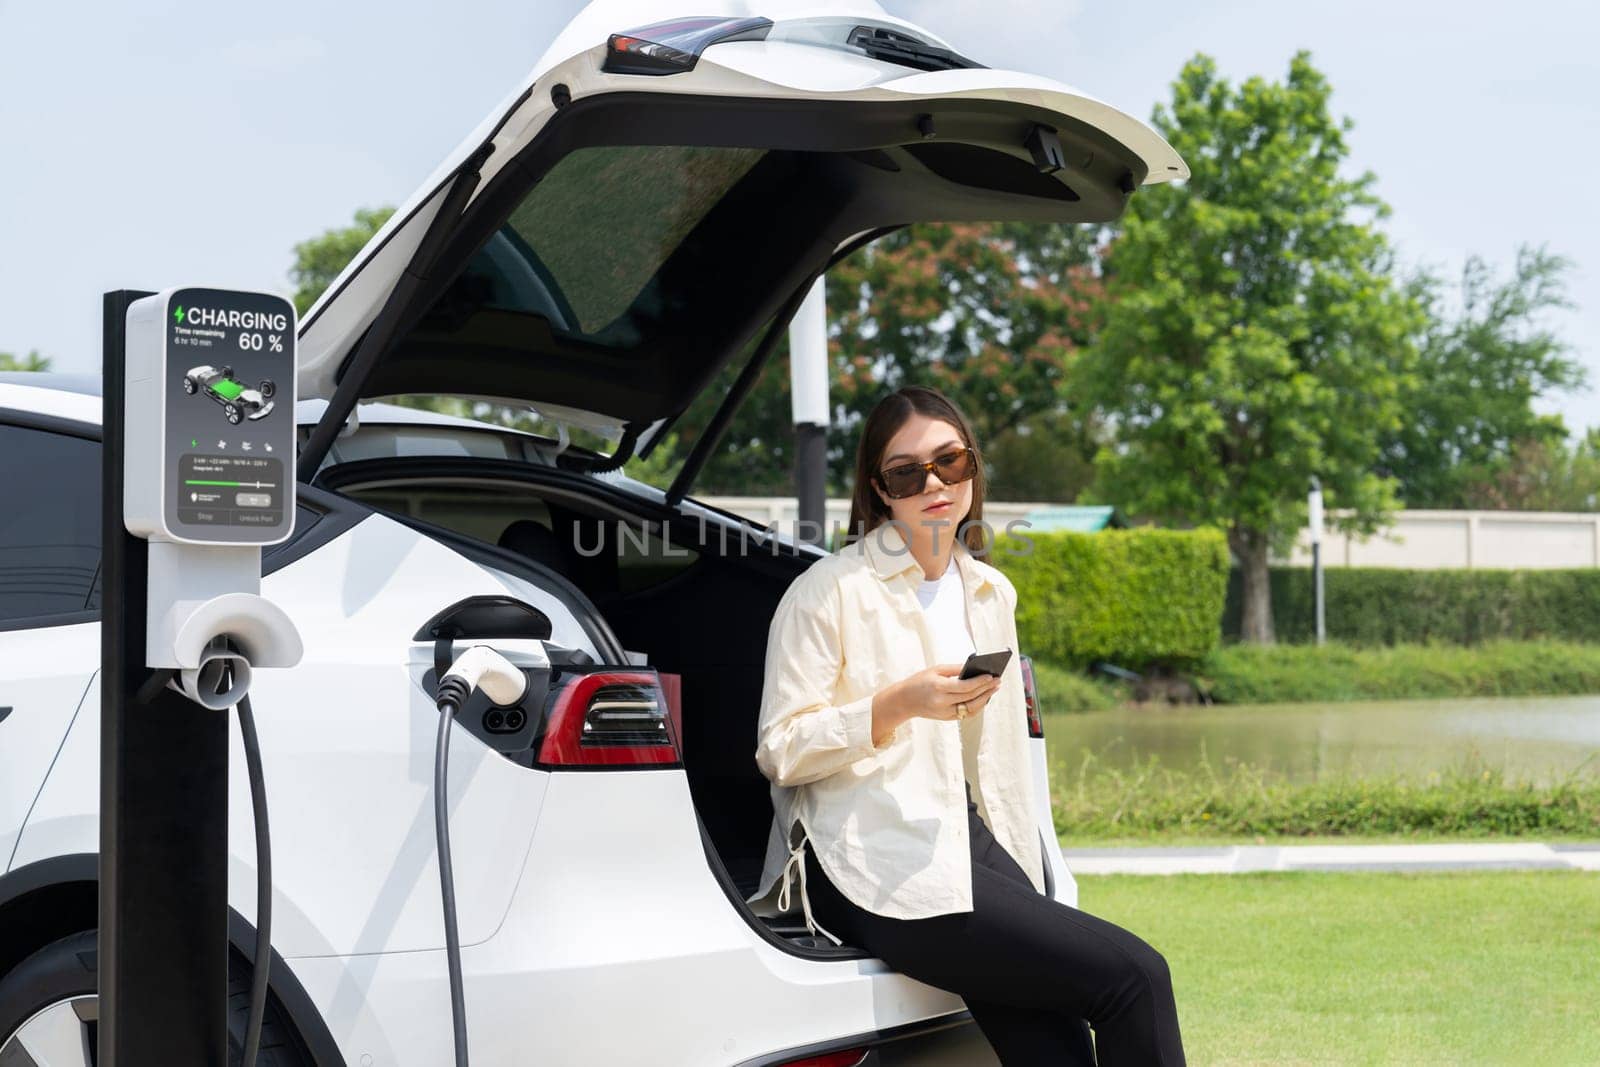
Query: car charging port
506	728
511	718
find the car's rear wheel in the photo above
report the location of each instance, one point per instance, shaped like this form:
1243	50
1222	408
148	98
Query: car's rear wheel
49	1010
189	386
232	413
55	1034
267	388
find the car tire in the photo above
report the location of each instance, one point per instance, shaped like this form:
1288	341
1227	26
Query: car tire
227	372
266	388
232	413
52	979
189	386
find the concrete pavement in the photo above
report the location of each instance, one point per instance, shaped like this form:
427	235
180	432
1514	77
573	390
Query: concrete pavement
1233	859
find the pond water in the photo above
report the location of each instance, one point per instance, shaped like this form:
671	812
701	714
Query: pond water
1539	739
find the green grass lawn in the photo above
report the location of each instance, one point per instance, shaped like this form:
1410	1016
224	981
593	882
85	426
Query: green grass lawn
1095	803
1500	967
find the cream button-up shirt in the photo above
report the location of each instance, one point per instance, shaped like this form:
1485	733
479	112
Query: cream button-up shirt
888	823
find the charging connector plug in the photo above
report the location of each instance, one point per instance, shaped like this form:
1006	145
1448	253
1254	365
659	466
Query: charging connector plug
481	667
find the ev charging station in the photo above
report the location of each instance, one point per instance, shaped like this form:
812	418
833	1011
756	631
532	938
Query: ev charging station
198	475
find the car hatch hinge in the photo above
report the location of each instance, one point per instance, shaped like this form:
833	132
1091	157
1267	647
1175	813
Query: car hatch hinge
619	455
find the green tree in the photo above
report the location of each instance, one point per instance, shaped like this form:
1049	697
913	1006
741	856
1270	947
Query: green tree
33	361
1254	336
1047	457
1480	369
993	315
318	261
1540	473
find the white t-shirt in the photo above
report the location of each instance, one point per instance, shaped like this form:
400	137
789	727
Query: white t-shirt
944	604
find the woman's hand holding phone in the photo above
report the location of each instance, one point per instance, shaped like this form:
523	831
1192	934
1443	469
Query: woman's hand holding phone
933	693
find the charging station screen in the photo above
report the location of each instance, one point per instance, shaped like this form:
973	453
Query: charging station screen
229	415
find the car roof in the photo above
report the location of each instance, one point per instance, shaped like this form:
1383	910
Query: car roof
64	396
78	397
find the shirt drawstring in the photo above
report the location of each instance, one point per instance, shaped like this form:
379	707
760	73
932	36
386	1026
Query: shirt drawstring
797	860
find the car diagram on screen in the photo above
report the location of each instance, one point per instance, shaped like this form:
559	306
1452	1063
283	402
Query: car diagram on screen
239	402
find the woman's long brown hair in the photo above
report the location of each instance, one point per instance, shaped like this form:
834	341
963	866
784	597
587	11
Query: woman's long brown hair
867	511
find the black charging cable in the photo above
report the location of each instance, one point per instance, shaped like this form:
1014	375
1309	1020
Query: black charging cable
258	807
452	693
480	667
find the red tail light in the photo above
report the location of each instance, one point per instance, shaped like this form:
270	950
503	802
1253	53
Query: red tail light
1030	693
850	1057
608	716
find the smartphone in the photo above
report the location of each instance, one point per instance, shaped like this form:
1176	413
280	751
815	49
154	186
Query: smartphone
986	663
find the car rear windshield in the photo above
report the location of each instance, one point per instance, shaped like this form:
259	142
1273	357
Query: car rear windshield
585	248
609	276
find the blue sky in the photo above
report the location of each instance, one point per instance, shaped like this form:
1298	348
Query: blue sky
167	143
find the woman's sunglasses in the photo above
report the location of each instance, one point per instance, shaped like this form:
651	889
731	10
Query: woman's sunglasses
908	479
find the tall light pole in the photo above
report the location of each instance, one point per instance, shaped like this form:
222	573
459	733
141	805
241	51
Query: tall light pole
1316	554
808	391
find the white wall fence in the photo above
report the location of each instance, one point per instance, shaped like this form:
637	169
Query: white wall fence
1419	539
1474	539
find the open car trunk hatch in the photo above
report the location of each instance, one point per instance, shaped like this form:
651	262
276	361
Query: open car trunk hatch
628	233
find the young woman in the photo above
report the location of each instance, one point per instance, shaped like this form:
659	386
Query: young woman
867	733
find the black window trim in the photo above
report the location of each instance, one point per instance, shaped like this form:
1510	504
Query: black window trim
335	514
45	622
66	427
35	420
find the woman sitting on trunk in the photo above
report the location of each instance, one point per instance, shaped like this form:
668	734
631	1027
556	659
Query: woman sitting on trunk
867	732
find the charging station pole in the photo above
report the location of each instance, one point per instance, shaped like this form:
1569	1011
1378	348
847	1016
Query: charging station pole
198	475
808	382
163	942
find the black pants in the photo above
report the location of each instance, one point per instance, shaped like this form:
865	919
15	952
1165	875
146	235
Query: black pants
1034	972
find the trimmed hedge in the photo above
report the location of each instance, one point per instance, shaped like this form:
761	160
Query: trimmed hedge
1387	606
1132	597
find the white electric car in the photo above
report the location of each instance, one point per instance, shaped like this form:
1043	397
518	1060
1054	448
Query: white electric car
634	224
